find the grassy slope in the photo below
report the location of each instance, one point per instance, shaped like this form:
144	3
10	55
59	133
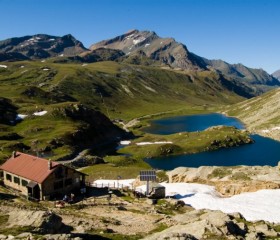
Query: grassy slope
187	142
118	90
260	113
127	91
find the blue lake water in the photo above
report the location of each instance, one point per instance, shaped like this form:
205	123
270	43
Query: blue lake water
191	123
264	151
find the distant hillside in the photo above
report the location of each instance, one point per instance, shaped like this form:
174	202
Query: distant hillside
57	96
61	107
276	74
260	114
39	46
135	47
177	56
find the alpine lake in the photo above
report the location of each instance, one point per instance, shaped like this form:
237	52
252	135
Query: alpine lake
264	151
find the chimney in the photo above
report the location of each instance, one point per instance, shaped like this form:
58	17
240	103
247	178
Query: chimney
50	165
14	154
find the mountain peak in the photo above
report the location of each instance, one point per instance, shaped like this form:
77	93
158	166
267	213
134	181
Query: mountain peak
41	46
165	50
276	74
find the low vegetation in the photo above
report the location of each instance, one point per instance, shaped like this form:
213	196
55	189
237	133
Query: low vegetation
119	90
260	114
186	142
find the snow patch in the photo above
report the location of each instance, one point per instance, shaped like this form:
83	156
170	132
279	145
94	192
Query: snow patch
22	66
51	39
46	69
260	205
136	41
21	116
3	66
43	61
125	142
147	44
40	113
150	143
85	64
129	36
270	130
254	206
61	55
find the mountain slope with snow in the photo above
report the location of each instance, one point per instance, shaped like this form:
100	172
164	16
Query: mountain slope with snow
39	46
171	53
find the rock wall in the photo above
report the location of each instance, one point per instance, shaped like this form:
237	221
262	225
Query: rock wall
230	180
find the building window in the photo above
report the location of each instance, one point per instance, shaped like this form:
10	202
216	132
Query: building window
68	182
24	182
16	180
58	185
8	177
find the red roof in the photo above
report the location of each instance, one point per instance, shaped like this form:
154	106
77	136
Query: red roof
29	167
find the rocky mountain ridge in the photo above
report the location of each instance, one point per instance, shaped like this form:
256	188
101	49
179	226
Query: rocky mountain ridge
276	74
165	50
176	55
136	47
230	181
39	46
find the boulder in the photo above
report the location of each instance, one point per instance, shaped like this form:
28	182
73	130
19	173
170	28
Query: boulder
42	221
266	230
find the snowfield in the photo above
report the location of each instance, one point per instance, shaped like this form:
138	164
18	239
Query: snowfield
125	142
254	206
40	113
260	205
150	143
21	116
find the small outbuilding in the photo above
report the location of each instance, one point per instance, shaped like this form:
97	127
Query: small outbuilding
39	178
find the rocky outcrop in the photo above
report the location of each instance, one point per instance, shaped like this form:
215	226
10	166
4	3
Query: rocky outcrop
41	221
7	111
95	127
206	224
230	180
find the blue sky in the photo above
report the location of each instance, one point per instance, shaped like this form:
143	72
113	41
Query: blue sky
237	31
